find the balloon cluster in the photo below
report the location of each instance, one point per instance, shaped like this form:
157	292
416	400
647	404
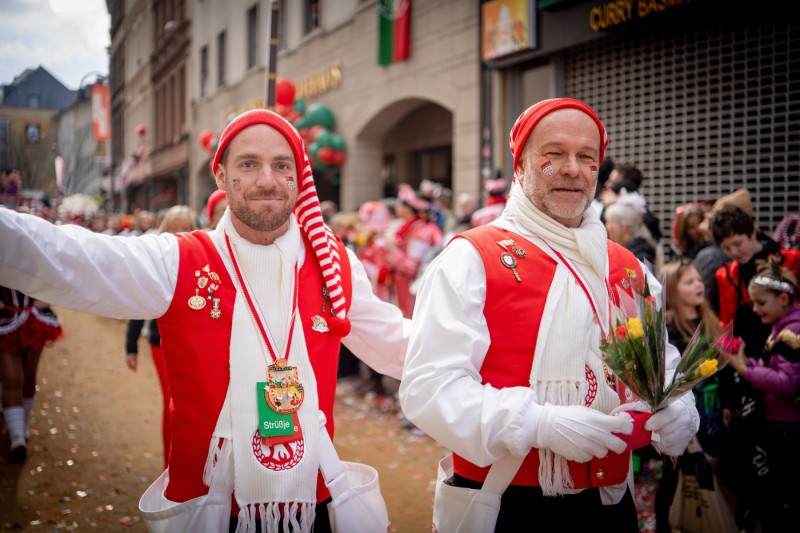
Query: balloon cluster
315	124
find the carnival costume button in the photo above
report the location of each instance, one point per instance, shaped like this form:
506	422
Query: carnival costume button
600	474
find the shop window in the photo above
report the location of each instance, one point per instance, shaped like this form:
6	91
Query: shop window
311	15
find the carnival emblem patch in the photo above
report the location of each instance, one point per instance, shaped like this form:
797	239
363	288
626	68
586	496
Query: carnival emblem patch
284	456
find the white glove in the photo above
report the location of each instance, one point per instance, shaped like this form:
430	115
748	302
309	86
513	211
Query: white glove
675	425
576	432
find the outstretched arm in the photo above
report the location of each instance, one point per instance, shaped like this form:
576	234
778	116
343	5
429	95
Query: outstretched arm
72	267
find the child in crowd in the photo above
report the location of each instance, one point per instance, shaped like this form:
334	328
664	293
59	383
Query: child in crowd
687	310
774	293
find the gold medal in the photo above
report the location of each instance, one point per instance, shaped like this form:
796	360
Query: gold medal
284	392
197	302
215	312
509	261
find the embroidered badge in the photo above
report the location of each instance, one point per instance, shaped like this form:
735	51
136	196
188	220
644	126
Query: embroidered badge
591	387
284	456
631	273
625	284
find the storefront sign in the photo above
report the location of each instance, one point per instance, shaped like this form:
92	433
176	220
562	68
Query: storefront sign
620	12
325	80
509	26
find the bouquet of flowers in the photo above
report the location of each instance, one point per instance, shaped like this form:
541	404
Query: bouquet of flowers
635	351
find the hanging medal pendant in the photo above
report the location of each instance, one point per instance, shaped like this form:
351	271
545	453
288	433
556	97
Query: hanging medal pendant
197	302
215	311
509	261
284	392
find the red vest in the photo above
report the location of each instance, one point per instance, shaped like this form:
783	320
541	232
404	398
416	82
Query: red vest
196	347
513	313
729	290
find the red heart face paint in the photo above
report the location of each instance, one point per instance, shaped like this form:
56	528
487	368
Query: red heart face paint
547	168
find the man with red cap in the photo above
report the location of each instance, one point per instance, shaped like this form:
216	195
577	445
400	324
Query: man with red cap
251	315
215	208
504	363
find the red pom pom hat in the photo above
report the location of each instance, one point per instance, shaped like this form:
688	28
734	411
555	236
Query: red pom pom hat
307	210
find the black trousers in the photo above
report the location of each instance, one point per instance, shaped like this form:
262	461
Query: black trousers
578	513
321	522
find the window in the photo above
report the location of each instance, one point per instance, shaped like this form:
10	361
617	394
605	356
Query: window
252	36
33	133
5	132
311	15
221	59
204	71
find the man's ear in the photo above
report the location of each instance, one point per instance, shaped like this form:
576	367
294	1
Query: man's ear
219	176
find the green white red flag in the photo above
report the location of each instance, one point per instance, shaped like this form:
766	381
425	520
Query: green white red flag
394	25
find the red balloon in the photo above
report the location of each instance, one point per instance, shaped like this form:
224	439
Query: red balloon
141	130
313	131
326	155
283	109
284	91
205	138
339	158
293	116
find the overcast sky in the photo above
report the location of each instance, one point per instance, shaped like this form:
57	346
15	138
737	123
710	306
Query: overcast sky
69	38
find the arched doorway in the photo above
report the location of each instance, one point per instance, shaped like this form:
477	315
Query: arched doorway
407	141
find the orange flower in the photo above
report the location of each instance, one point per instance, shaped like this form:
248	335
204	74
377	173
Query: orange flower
620	332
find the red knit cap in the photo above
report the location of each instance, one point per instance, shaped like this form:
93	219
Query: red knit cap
306	209
213	200
527	121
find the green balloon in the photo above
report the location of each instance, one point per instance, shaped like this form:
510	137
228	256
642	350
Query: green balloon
300	105
301	123
320	115
325	138
338	143
313	149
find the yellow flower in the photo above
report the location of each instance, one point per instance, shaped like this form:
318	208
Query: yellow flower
708	367
635	328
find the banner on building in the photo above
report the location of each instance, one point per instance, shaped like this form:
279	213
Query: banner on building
394	31
101	112
509	26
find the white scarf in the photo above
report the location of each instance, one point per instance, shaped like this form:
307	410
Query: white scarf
259	491
569	336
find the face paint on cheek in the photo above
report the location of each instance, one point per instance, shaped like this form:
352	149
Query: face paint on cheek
595	173
237	184
290	184
547	168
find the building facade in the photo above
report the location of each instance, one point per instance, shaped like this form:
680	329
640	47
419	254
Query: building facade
701	95
84	149
404	122
150	105
29	108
